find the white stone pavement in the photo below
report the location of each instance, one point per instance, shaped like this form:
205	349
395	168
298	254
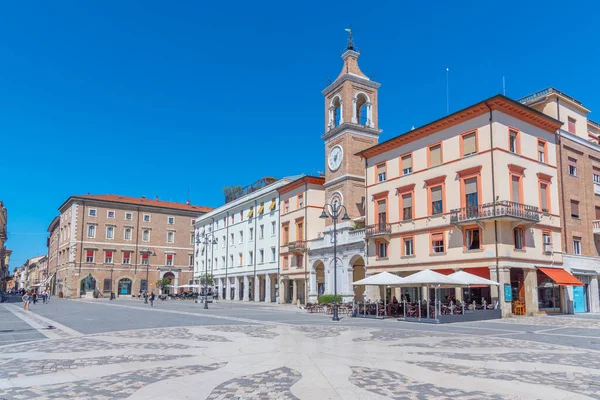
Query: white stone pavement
282	361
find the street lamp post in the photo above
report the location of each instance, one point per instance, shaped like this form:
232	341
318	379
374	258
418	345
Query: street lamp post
206	239
333	211
147	253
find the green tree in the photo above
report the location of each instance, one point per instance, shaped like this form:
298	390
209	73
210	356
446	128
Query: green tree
163	283
232	192
210	280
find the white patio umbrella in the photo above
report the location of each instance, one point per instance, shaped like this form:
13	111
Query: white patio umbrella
429	277
382	278
471	280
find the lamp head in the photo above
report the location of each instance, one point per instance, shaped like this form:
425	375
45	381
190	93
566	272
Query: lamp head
153	254
345	217
323	214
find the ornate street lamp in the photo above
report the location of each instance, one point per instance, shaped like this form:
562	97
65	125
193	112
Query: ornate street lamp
334	211
206	239
147	253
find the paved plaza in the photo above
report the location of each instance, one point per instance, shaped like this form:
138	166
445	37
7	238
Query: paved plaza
96	349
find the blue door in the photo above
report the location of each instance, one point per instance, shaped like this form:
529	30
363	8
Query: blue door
579	300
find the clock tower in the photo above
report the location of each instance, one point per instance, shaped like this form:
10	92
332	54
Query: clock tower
351	125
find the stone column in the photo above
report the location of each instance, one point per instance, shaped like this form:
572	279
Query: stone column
531	293
282	284
498	291
458	294
295	291
312	288
268	288
257	288
425	293
593	295
246	288
228	288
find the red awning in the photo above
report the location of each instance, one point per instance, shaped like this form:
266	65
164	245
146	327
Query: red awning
482	272
561	277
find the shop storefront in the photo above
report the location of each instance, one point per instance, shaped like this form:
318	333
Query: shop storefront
559	291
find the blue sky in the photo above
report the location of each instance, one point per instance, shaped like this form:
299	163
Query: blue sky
153	98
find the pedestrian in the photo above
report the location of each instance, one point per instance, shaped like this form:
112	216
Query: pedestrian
34	295
48	293
44	296
151	298
26	298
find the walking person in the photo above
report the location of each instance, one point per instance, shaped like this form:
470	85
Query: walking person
26	298
34	295
151	298
44	296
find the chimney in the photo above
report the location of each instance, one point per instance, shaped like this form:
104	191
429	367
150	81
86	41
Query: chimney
187	202
143	197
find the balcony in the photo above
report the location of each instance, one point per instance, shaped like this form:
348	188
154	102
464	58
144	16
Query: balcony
299	246
499	210
596	188
377	230
596	226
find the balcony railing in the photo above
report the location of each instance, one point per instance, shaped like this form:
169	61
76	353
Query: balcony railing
381	229
596	188
495	210
298	245
596	226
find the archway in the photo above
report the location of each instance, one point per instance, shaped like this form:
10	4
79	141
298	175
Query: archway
168	289
358	272
320	277
124	286
88	284
361	112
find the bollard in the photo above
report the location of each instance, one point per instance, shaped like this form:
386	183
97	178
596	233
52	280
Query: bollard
404	309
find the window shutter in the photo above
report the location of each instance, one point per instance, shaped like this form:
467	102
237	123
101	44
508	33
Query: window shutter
90	253
407	200
437	237
572	162
515	189
109	254
435	155
144	256
169	256
543	194
597	212
469	143
541	147
381	169
471	186
407	162
436	194
575	207
381	207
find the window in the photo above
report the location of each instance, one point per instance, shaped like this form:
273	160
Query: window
300	201
300	230
250	258
471	192
128	216
261	256
91	231
232	242
171	220
435	155
408	246
544	193
596	175
146	217
437	204
110	214
286	234
382	212
515	188
513	141
577	245
473	239
170	237
272	254
251	234
127	234
547	239
110	232
541	151
381	172
126	257
145	259
108	257
241	236
241	215
261	232
223	261
407	201
437	242
519	238
223	242
191	259
286	205
382	249
232	219
107	285
241	256
571	125
469	143
407	166
597	213
169	259
191	237
574	209
572	166
299	261
92	212
284	261
89	256
273	228
146	235
144	285
231	260
192	221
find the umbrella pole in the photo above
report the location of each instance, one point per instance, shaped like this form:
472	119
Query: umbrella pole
384	302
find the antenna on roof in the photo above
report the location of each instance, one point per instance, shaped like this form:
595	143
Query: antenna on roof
503	86
188	196
447	91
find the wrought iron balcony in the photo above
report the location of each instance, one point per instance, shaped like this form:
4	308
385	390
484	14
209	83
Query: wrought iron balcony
381	229
508	210
297	246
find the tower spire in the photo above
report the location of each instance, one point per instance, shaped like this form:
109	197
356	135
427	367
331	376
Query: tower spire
350	45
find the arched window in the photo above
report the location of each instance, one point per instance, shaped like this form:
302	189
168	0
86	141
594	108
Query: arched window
337	111
362	109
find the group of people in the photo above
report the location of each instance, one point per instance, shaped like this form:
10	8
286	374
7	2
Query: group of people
33	296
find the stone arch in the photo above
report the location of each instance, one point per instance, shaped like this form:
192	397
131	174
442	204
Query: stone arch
118	285
357	263
87	284
318	277
361	110
336	112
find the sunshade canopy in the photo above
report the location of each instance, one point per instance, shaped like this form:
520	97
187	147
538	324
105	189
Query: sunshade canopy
429	277
470	279
382	278
561	277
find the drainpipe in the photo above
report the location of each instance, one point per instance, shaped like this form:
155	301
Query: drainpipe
254	261
494	201
278	283
559	176
226	252
305	258
81	236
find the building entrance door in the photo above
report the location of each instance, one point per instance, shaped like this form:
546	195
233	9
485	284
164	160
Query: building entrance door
579	300
125	286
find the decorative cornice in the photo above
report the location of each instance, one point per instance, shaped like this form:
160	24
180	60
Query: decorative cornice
343	177
351	78
349	127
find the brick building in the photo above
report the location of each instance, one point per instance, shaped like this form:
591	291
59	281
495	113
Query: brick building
107	243
4	252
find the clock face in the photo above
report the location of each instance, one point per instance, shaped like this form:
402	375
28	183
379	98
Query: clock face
335	158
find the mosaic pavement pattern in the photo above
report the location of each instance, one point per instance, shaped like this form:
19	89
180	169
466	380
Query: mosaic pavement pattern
295	362
273	384
553	321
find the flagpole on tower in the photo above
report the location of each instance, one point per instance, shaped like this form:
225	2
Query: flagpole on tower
447	91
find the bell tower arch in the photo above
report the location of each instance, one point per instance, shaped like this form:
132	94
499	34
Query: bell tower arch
351	125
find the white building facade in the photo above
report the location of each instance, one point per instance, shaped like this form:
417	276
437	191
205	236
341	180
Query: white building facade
244	237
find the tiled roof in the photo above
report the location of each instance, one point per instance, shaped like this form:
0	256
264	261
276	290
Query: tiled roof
142	201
